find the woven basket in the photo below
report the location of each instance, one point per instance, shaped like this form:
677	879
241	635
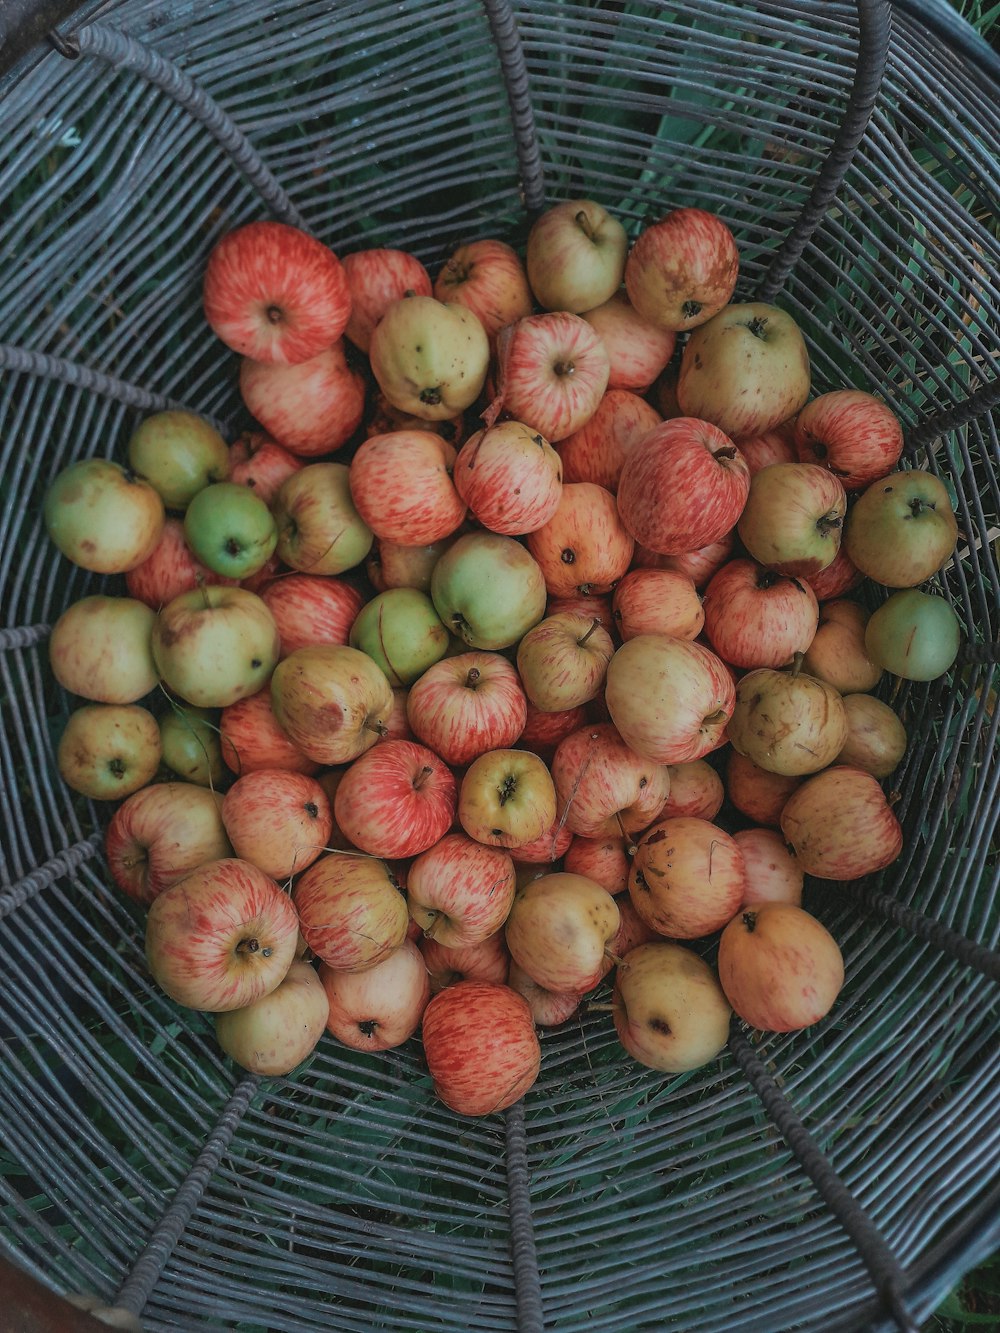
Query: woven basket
830	1180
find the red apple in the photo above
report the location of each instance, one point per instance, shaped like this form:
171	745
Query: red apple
397	724
757	618
603	788
793	518
381	1007
839	577
488	278
584	604
683	486
548	1008
584	547
396	801
465	705
542	732
261	463
460	891
221	937
313	407
487	960
309	609
480	1046
657	601
545	850
383	419
687	878
638	350
852	433
274	293
378	278
170	569
351	911
682	270
632	930
780	968
755	792
553	370
773	875
698	566
773	446
840	825
402	486
161	833
696	790
252	739
601	859
510	477
279	821
597	451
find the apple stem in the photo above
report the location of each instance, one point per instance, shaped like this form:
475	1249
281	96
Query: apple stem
630	846
472	679
797	661
757	326
583	222
378	727
593	625
422	777
600	1008
829	523
614	957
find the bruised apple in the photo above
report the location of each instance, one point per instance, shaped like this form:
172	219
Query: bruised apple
687	877
669	1010
787	722
331	701
559	930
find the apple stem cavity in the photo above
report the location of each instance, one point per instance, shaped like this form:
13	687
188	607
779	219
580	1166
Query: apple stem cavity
564	368
758	327
274	314
726	452
829	523
377	726
252	946
472	679
749	919
691	309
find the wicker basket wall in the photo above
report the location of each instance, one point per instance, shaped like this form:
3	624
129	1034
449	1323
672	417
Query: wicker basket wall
831	1180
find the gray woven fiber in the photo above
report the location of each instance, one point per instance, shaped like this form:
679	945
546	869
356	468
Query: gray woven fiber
138	1162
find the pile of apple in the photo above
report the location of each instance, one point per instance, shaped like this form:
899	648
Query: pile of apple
459	689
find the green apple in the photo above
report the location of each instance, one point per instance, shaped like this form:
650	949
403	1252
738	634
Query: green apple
902	529
230	529
192	746
400	631
915	635
214	645
108	751
103	517
489	590
179	454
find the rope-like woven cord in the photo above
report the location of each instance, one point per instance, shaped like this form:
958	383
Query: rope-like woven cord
22	636
875	27
978	957
953	418
528	1283
876	1255
515	76
135	1290
122	51
63	863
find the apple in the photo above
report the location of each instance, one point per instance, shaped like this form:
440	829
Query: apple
755	617
160	834
460	891
391	565
604	860
221	937
915	635
429	358
542	732
351	911
377	279
230	529
310	609
682	269
657	601
687	877
837	653
103	517
840	825
584	548
313	407
553	371
179	454
773	874
746	370
772	446
839	577
401	632
698	565
262	464
756	792
487	960
597	451
319	529
273	1035
381	1007
787	722
402	486
559	930
632	930
902	529
252	738
876	738
562	661
488	278
793	518
695	790
548	1008
545	850
603	788
780	968
480	1047
169	569
683	486
331	701
274	293
638	350
488	590
384	419
584	604
396	800
668	1008
108	751
670	699
575	256
190	745
506	798
465	705
213	646
510	477
278	820
852	433
397	724
100	648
